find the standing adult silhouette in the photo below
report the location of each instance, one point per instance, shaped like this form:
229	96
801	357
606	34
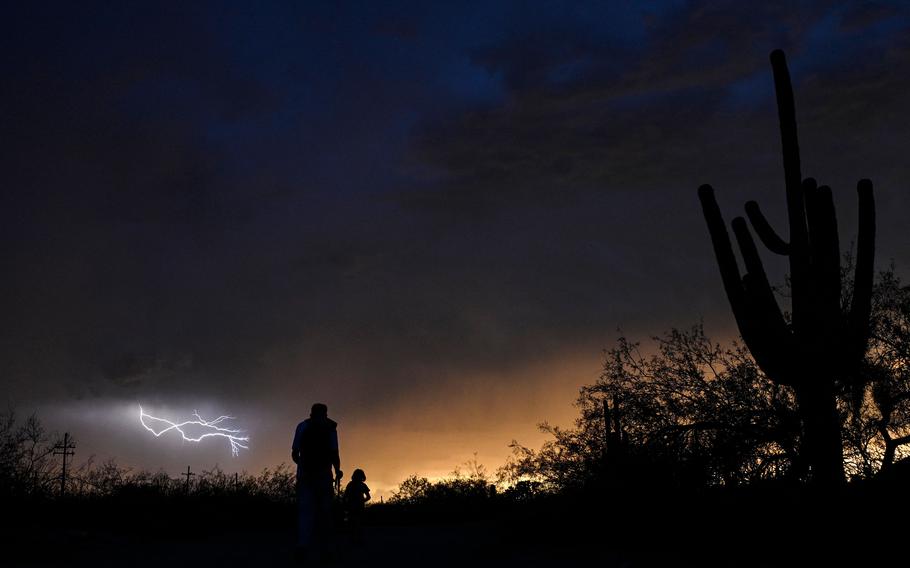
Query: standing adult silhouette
315	451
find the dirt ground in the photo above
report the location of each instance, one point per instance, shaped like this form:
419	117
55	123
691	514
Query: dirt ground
469	544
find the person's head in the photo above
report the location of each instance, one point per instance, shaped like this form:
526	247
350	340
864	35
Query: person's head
319	410
359	475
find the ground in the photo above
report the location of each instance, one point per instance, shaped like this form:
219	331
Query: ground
464	544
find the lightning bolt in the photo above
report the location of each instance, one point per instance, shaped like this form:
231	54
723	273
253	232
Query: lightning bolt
212	428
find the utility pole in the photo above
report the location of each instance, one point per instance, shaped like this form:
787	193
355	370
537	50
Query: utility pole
187	476
64	448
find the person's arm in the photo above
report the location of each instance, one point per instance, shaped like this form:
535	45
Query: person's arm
336	457
366	493
295	445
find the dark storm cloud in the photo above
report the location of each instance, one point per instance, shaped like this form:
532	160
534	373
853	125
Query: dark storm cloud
613	150
654	115
115	195
375	204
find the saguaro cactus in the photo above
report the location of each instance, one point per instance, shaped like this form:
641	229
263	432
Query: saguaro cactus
822	344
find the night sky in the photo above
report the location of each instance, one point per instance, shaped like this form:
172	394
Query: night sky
431	217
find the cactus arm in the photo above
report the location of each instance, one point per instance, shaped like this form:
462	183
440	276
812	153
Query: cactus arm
764	230
769	340
863	277
723	249
825	253
726	260
796	212
748	249
767	336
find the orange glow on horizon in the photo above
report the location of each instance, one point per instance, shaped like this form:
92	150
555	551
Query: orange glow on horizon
433	432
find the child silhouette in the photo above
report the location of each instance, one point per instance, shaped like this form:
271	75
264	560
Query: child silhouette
356	494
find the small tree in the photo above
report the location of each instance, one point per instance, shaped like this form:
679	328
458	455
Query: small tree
27	466
693	413
876	410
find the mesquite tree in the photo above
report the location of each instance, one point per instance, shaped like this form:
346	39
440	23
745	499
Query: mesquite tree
823	343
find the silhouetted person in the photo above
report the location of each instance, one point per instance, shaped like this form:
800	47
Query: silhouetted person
315	451
356	494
